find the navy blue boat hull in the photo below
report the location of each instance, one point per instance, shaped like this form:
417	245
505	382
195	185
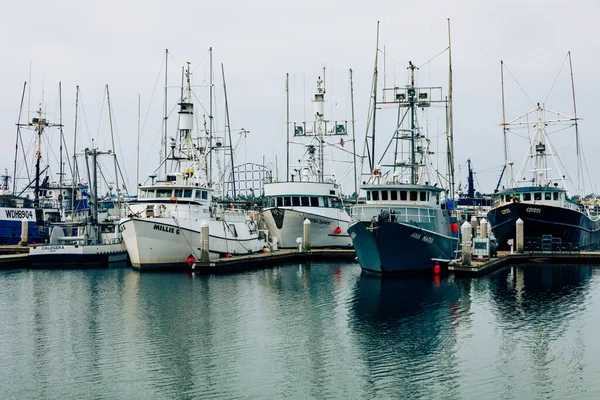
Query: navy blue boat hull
10	232
570	226
393	248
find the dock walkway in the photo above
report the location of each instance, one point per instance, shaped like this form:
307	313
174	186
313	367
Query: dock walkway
482	267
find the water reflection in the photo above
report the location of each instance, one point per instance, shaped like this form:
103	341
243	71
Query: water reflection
406	328
536	307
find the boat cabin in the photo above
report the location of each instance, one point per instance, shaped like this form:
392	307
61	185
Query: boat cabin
546	195
173	193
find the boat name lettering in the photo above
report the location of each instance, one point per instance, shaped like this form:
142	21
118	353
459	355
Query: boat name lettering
168	229
533	210
53	248
19	214
319	221
506	211
420	236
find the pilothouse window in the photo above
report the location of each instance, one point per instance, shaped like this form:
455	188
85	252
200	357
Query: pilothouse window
547	196
423	196
537	196
526	196
162	193
403	195
394	194
384	195
304	201
555	195
413	195
279	201
375	195
296	201
314	201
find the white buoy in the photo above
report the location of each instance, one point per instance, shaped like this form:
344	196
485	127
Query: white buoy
306	235
204	242
465	231
520	236
484	227
24	232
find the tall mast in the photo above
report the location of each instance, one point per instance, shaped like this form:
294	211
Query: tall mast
411	97
579	173
228	130
210	118
504	126
60	151
353	135
166	111
75	169
17	139
319	103
137	169
372	161
450	150
112	138
287	116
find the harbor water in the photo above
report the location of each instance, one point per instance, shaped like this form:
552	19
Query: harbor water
312	331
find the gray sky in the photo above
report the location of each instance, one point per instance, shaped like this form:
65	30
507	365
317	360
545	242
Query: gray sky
122	44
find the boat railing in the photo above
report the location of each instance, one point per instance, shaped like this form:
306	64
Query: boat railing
395	214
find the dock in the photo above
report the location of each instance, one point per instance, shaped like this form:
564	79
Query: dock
263	260
482	267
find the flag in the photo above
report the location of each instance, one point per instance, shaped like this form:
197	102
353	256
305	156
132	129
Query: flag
342	142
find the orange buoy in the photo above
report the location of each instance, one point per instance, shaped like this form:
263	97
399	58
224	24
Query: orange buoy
436	269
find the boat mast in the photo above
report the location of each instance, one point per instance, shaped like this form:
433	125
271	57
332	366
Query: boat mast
228	130
60	148
411	97
504	126
114	154
372	160
17	140
166	111
319	103
450	128
137	169
575	119
353	134
210	119
287	114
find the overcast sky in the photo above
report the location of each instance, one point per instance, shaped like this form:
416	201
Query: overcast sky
122	44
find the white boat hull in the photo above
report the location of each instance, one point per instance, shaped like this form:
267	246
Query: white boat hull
323	227
80	256
159	243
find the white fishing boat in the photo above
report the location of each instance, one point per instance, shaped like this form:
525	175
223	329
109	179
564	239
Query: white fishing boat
94	243
162	229
309	195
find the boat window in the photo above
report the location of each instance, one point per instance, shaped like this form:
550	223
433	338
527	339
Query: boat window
287	202
394	194
384	195
526	196
375	195
423	196
279	202
403	195
325	202
204	195
413	195
537	196
142	194
555	195
314	201
161	193
296	201
547	196
178	192
437	198
507	198
304	201
198	194
187	193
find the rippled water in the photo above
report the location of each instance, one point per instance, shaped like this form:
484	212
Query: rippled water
299	331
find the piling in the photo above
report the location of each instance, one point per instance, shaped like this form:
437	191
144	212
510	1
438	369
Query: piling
306	235
24	232
474	225
484	227
520	236
204	242
465	231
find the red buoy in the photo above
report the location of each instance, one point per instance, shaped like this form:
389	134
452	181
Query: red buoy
338	230
190	259
227	255
436	269
454	227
